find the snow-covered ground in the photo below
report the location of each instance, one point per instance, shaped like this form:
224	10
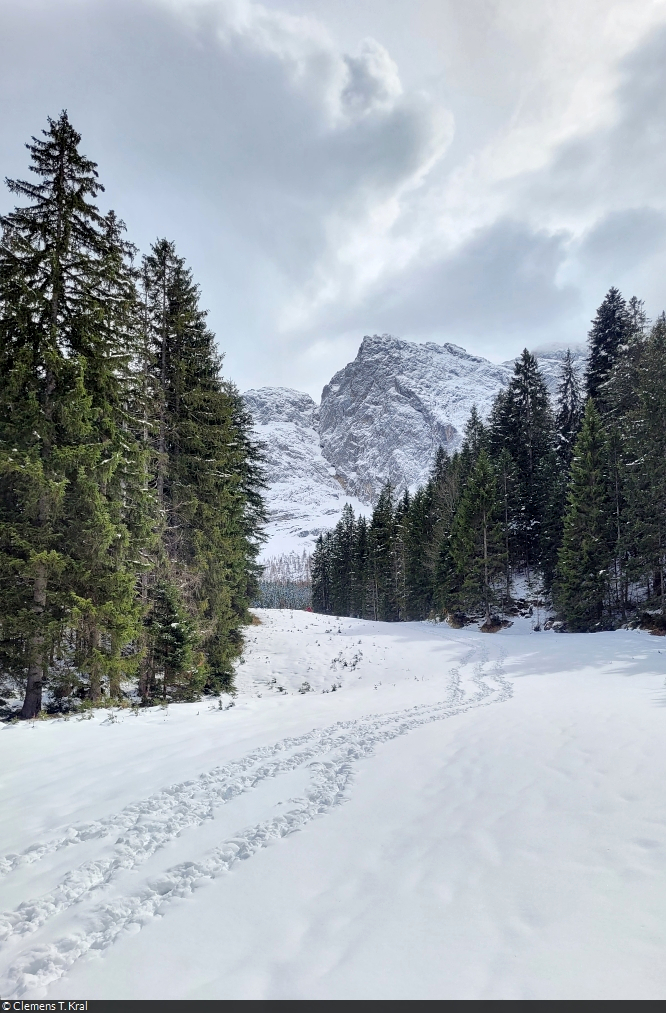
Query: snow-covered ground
466	816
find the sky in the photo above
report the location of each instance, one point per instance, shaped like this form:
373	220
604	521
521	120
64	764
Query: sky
472	171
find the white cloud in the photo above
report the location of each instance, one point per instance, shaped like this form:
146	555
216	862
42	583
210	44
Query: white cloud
476	172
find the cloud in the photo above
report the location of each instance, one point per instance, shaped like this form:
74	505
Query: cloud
243	132
321	192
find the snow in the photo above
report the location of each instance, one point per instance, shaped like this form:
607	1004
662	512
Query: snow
383	416
303	498
467	816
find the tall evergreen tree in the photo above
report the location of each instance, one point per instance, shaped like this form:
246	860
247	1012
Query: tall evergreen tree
609	332
582	587
381	539
646	485
476	539
341	564
522	423
321	575
207	475
569	409
360	569
67	454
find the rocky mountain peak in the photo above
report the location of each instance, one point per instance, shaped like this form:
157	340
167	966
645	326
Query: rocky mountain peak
382	417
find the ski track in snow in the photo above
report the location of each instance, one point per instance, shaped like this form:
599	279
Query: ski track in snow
148	825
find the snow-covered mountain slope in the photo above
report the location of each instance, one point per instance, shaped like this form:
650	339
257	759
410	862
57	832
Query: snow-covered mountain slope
466	817
381	418
385	414
303	496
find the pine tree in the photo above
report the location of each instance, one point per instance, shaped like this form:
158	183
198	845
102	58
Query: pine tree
476	540
522	423
418	542
381	539
66	453
341	564
208	474
582	588
321	576
505	471
569	409
646	485
360	569
609	332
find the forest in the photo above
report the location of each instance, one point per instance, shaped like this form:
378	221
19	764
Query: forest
130	485
566	500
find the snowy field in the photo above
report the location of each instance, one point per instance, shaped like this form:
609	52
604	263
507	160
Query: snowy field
465	816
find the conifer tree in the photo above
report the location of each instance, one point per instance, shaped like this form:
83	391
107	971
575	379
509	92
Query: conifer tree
67	454
360	575
321	579
609	332
381	538
418	542
476	540
646	486
207	475
569	409
582	587
522	423
341	564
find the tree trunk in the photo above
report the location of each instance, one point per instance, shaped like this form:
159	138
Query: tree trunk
32	703
486	583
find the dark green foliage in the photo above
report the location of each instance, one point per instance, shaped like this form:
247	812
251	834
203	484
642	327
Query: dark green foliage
583	576
321	575
569	409
67	455
522	424
476	549
383	600
610	330
646	470
575	503
129	485
173	669
206	465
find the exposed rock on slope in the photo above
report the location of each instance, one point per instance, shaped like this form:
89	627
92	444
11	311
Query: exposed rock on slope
382	417
303	497
386	413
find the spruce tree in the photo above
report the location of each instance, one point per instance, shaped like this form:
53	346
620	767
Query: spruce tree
321	575
381	548
522	423
67	454
418	542
582	588
646	485
609	332
569	409
341	564
360	569
207	468
476	540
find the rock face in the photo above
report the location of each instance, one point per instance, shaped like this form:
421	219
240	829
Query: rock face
385	414
303	496
381	418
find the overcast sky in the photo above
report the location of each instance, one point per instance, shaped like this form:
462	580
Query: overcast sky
475	171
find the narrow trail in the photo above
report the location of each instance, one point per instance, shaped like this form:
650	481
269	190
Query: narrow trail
145	826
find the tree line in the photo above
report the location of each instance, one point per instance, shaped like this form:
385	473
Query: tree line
569	497
130	486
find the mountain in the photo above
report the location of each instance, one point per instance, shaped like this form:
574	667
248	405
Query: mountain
386	413
381	418
303	496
